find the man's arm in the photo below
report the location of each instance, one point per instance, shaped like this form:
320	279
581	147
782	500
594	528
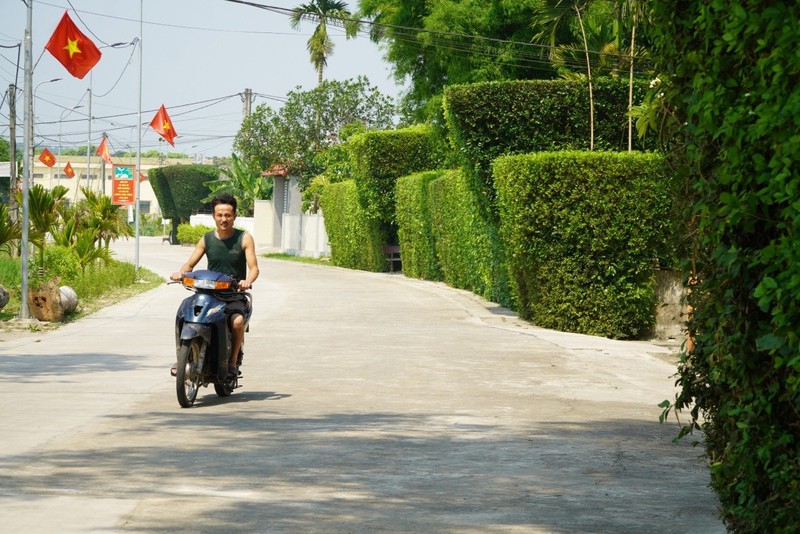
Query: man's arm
249	247
197	253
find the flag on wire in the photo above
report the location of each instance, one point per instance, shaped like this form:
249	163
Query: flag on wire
163	126
68	170
72	48
103	152
47	158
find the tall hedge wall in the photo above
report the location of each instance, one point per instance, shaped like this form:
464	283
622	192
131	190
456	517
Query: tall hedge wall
582	231
180	188
733	73
355	239
414	226
466	242
381	157
487	120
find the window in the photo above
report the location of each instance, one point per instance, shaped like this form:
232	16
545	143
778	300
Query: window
144	206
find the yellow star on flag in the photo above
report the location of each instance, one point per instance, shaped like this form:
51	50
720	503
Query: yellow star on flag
72	47
165	125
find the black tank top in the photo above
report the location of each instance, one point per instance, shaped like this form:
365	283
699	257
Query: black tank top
226	255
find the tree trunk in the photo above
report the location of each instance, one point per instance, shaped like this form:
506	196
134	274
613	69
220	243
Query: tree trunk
589	75
630	89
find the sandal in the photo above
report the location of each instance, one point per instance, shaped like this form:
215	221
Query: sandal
174	369
233	371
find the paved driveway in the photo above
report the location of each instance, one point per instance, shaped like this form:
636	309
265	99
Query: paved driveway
371	402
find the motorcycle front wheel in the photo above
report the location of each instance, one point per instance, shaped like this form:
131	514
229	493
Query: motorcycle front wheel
187	380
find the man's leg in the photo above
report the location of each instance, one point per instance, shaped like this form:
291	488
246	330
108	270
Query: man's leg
237	337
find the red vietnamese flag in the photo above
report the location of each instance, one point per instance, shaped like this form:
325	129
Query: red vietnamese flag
103	152
68	171
163	126
47	158
72	48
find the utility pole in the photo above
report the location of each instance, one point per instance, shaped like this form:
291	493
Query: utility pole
24	313
247	100
12	148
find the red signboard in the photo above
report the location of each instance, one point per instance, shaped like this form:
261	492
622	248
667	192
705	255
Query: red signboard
122	186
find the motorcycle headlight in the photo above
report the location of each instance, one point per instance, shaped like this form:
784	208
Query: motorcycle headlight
206	284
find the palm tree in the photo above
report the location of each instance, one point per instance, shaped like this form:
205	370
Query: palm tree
106	218
320	45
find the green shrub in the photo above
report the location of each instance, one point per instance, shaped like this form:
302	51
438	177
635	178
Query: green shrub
415	232
190	235
487	120
582	231
467	244
380	158
355	239
732	69
61	262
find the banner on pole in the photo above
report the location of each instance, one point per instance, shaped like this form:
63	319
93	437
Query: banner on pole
123	191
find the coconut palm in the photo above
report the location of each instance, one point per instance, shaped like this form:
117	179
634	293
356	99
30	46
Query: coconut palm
324	12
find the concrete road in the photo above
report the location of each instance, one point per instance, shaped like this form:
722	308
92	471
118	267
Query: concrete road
370	403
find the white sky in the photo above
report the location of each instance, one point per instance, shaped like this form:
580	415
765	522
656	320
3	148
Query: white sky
195	52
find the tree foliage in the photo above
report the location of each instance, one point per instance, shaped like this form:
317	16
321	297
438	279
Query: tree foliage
309	123
731	69
244	183
435	43
429	46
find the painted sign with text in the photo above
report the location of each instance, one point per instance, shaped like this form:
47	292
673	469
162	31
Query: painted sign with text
122	189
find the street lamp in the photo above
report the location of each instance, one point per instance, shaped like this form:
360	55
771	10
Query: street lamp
33	100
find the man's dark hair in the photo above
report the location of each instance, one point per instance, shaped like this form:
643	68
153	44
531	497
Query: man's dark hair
224	198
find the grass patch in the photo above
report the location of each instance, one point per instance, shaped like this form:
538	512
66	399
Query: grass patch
298	259
101	285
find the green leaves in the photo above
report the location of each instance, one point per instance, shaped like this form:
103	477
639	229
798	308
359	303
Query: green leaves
734	69
309	122
583	230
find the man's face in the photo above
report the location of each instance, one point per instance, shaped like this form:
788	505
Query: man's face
224	216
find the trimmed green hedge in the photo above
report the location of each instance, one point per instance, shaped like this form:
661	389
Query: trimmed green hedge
190	235
355	239
467	244
487	120
181	188
381	157
582	231
414	226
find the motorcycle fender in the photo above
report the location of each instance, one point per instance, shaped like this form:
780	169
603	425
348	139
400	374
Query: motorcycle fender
192	330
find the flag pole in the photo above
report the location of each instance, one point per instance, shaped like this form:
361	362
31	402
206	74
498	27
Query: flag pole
24	313
139	151
89	135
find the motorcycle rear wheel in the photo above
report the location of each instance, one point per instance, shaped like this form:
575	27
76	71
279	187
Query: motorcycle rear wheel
187	380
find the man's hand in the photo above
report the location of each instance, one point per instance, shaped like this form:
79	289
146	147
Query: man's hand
244	285
176	277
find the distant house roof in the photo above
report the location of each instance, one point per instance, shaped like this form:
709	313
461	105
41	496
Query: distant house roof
276	170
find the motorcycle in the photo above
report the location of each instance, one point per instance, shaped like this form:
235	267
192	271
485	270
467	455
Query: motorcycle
203	335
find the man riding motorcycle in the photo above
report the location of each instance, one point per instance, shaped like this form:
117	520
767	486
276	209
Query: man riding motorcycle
230	251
